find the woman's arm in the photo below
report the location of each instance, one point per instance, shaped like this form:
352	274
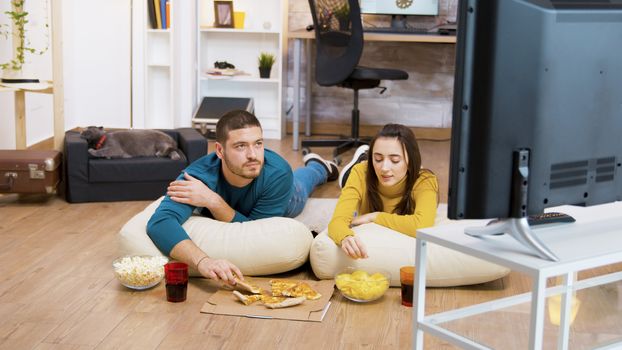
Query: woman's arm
425	195
347	206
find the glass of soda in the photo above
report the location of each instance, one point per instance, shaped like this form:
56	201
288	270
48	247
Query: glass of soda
176	277
407	274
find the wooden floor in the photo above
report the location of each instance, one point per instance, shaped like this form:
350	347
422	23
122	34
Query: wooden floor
57	291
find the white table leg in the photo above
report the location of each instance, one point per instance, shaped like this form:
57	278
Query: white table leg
308	83
419	296
296	117
566	311
538	299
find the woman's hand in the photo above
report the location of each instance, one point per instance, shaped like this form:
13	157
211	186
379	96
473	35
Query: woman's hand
364	219
192	191
219	270
354	248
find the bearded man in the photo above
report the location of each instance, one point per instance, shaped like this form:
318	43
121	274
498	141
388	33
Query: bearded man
238	182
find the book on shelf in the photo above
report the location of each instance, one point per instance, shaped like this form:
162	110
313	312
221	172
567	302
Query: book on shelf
163	13
168	14
152	15
158	15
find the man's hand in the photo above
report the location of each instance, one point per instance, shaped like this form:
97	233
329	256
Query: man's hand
219	270
354	248
364	219
192	191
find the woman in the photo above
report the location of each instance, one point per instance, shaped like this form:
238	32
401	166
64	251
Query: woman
389	189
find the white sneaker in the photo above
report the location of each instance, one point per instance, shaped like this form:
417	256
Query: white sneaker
331	167
359	155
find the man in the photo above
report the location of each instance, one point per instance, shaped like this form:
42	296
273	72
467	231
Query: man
238	182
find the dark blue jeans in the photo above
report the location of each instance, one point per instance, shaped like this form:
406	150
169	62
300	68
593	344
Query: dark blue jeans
306	179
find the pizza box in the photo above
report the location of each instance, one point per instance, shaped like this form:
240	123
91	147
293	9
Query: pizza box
224	302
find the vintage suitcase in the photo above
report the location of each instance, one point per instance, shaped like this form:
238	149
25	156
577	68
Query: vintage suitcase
29	171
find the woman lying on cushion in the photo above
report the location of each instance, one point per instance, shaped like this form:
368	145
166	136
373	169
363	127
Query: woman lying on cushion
389	189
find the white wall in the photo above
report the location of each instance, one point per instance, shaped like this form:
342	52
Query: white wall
96	65
39	122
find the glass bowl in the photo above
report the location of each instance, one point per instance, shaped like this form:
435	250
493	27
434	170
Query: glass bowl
139	271
362	285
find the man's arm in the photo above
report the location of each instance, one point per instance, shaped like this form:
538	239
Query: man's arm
217	269
272	202
193	191
164	226
165	230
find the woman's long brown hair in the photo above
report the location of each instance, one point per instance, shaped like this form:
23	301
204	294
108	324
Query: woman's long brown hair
407	139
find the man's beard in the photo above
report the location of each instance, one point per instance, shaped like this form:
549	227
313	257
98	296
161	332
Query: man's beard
243	171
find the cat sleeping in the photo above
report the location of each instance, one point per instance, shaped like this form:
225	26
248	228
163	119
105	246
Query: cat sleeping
130	143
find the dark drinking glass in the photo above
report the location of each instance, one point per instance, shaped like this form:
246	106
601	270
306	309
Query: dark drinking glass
407	274
176	276
176	292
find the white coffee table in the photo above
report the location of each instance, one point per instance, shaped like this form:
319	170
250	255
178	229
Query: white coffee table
594	240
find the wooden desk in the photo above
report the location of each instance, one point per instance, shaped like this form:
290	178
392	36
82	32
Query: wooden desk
302	34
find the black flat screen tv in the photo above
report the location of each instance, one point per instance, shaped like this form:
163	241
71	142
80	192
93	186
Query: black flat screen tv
537	114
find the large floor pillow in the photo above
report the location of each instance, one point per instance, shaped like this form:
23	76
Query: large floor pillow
259	247
389	250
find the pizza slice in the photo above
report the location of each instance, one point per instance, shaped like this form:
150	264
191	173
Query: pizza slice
294	289
267	298
287	302
302	289
247	299
278	286
247	286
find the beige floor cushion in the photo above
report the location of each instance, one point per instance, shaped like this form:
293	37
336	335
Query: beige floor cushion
389	250
259	247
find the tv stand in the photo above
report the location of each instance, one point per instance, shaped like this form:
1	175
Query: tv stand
517	228
517	225
593	241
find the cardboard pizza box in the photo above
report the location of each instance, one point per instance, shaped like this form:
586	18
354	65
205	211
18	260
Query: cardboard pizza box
224	302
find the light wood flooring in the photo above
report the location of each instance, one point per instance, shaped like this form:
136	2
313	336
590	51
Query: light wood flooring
58	291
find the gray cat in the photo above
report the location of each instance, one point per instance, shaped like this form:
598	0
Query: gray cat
130	143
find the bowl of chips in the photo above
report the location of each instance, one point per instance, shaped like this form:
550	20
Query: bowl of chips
139	271
362	285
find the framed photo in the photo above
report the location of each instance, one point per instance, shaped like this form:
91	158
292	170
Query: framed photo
223	14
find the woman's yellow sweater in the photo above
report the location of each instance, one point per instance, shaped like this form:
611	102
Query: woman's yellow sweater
353	201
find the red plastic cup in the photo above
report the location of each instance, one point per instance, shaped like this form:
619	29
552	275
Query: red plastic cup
176	277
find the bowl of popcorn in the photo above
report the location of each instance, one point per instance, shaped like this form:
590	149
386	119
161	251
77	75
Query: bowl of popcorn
362	286
139	271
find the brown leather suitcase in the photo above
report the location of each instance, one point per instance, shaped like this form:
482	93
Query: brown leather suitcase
29	171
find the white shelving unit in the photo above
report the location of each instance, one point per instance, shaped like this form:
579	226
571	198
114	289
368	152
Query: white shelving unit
264	31
163	67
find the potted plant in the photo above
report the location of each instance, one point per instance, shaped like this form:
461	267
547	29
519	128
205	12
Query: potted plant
266	60
13	69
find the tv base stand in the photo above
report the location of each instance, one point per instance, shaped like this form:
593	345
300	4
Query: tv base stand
517	228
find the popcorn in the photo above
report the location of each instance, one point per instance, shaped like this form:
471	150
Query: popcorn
139	271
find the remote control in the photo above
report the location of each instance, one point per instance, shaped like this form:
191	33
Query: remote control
549	218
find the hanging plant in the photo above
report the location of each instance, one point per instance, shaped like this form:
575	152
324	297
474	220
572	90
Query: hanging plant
19	19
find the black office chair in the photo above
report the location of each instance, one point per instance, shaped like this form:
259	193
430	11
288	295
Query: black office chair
339	43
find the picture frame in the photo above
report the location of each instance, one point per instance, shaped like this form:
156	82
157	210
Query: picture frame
223	14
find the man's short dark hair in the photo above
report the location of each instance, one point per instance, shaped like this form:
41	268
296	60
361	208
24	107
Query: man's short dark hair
234	120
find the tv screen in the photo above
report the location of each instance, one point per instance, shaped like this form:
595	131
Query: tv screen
537	115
